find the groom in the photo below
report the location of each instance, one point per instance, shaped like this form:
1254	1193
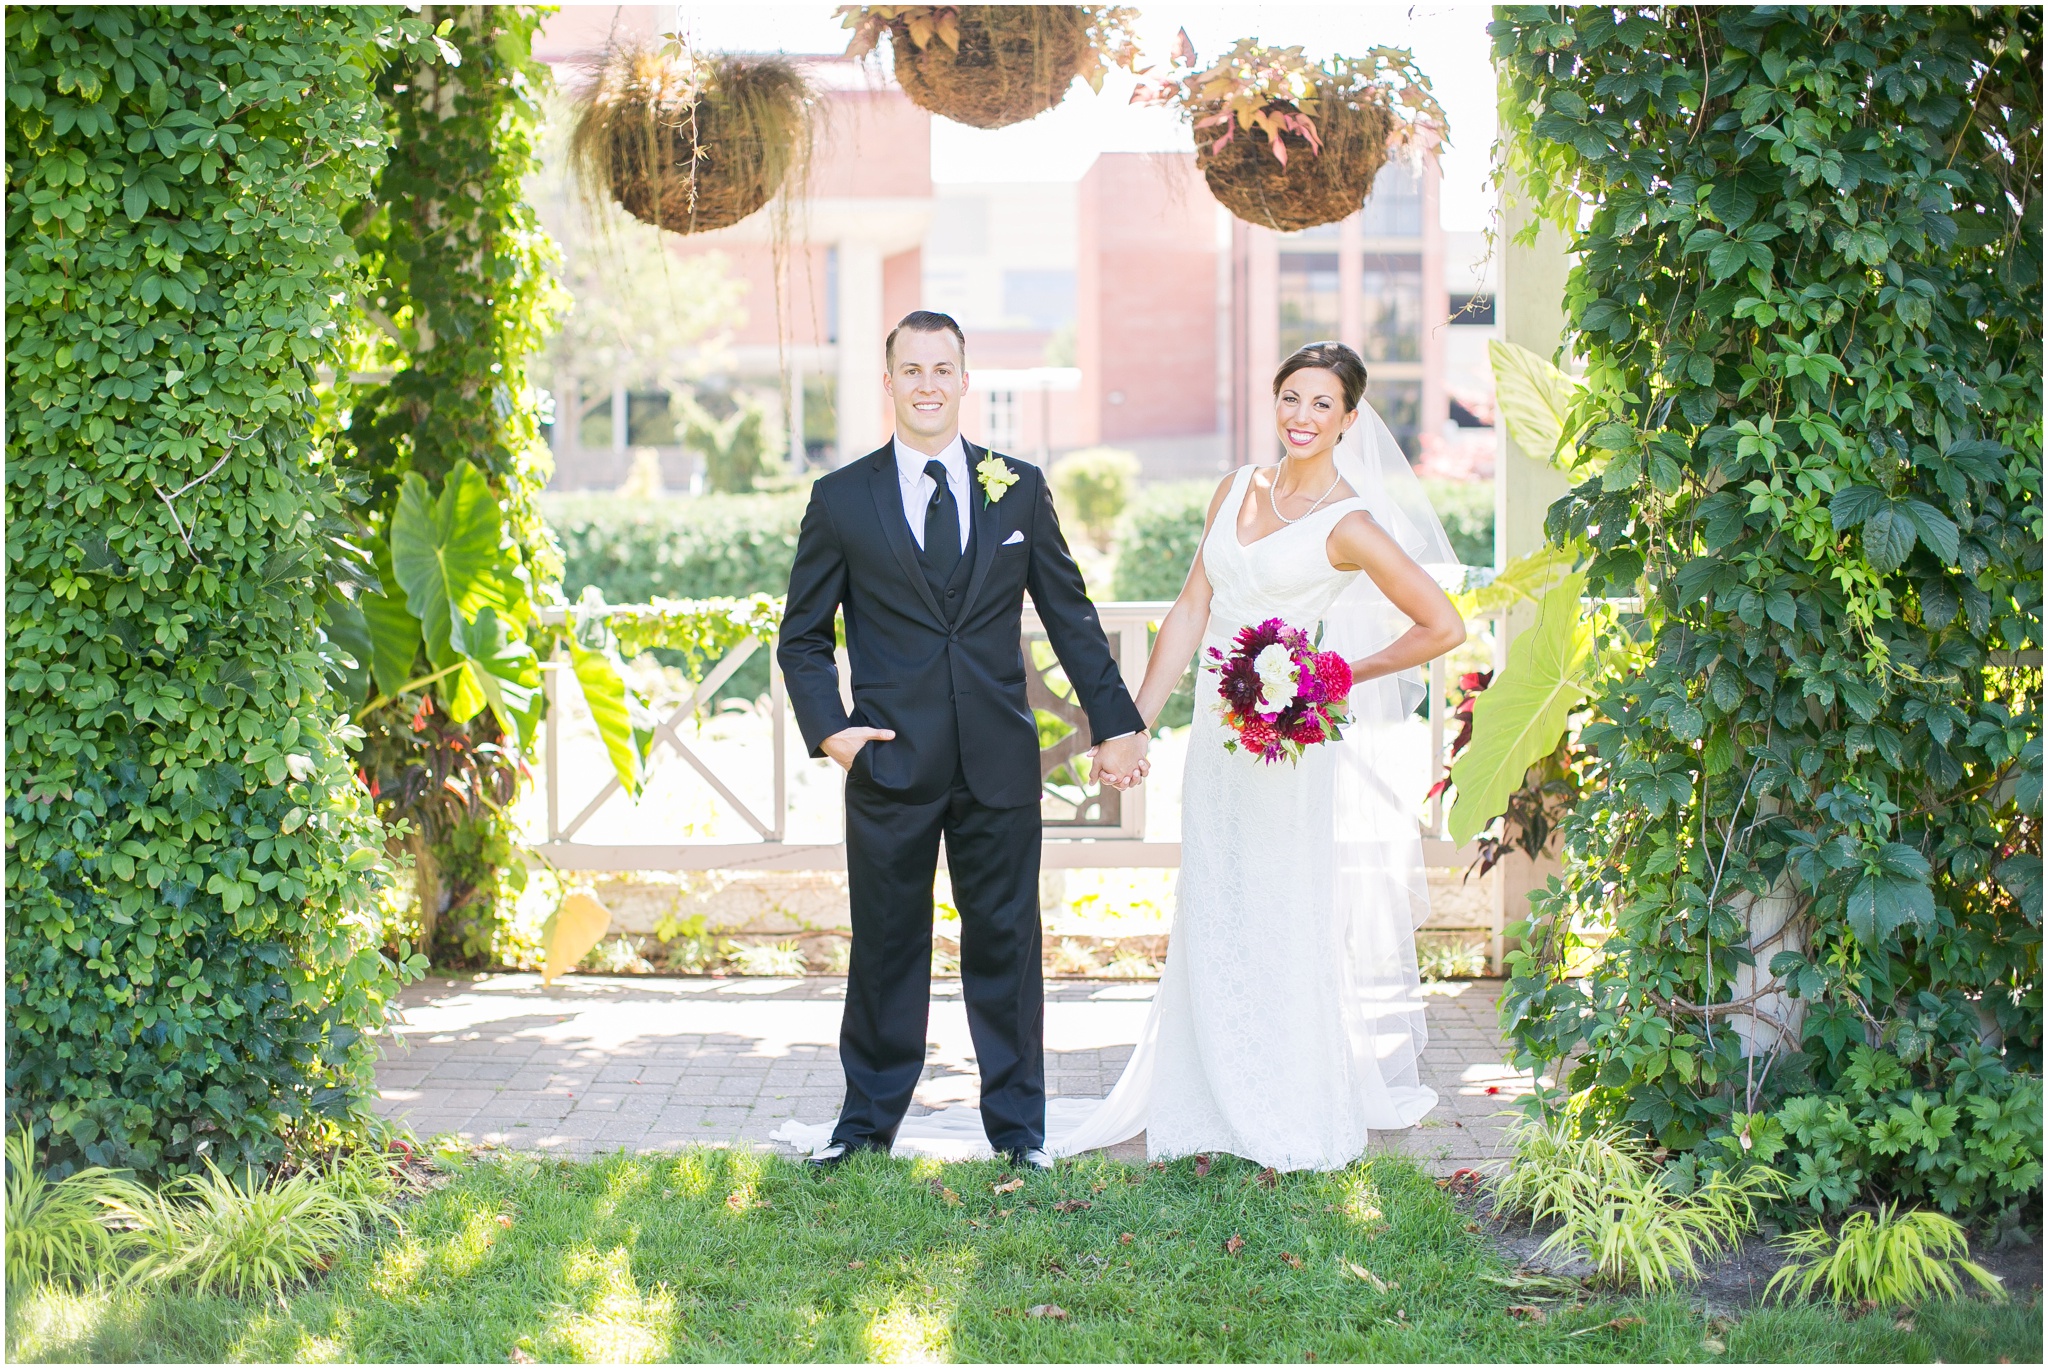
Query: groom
929	546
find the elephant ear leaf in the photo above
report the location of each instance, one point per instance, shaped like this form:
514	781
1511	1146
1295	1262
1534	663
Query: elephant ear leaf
1535	400
503	671
620	716
448	557
393	631
1522	714
346	653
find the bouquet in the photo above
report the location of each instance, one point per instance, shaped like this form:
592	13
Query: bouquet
1279	694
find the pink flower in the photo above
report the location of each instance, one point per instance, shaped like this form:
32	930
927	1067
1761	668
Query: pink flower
1333	672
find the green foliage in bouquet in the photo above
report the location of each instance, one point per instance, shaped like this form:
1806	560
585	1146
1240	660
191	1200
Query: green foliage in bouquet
193	870
1807	296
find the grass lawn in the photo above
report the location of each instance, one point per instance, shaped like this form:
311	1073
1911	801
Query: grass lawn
722	1255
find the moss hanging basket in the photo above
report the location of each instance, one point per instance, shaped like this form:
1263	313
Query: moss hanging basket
1289	144
990	66
1311	187
690	144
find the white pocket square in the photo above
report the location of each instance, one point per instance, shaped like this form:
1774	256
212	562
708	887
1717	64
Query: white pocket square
1014	538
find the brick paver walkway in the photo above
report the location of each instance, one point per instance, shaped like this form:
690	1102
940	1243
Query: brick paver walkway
594	1064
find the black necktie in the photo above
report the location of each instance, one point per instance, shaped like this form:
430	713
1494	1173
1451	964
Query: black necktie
941	524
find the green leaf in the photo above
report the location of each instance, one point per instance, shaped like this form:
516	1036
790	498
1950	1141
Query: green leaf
1852	504
1888	536
1935	529
447	556
504	670
394	633
1518	720
1535	400
348	632
613	707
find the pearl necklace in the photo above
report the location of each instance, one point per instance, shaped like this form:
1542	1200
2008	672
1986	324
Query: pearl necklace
1274	504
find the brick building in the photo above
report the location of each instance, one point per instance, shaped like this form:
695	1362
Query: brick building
1127	308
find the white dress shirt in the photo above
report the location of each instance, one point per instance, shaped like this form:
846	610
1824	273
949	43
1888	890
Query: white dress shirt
917	487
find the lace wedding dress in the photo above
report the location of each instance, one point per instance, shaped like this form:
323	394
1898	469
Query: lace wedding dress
1288	1024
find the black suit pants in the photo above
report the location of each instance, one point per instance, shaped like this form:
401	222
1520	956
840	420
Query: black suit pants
892	852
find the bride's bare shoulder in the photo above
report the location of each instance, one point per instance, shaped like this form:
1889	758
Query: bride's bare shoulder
1216	499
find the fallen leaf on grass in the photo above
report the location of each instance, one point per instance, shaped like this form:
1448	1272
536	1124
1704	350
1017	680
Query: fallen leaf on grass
1471	1226
939	1190
520	1356
503	1220
1004	1211
1532	1313
1618	1324
1048	1309
1361	1272
1097	1188
1904	1323
1290	1260
1010	1187
1072	1205
1201	1166
1714	1347
856	1264
1269	1177
1462	1181
1125	1239
1234	1244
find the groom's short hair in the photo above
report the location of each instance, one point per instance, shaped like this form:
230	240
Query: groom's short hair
924	321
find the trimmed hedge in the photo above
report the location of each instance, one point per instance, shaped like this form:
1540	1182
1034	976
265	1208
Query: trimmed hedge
711	546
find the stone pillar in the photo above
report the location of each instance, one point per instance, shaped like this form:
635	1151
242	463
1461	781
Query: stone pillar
1531	301
1262	343
1436	304
1351	284
863	412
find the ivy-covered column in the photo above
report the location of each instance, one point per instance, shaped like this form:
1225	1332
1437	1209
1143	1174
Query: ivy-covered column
1801	917
460	296
192	868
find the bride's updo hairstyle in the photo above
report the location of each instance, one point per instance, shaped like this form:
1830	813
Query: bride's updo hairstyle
1334	357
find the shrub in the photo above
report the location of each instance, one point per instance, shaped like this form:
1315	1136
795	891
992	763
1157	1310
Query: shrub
193	869
707	547
1886	1259
1092	486
737	450
1807	296
1466	508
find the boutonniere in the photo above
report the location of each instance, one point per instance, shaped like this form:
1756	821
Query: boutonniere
996	477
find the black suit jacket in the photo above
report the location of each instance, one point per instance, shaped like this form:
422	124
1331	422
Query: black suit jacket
950	686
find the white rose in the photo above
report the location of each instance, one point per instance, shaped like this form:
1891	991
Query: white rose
1274	666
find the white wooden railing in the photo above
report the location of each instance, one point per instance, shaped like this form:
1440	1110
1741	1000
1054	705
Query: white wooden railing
1112	835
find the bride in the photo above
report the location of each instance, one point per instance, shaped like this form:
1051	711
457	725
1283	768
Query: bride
1287	1023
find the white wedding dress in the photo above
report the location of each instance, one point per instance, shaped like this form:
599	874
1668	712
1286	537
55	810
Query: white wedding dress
1288	1023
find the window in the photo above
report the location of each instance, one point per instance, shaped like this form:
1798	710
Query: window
1472	310
1002	419
1308	299
1400	403
1039	299
1394	209
821	418
650	422
1392	307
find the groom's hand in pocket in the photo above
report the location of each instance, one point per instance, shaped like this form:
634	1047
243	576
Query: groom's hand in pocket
844	746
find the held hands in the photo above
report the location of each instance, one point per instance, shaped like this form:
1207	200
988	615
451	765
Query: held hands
1120	762
844	746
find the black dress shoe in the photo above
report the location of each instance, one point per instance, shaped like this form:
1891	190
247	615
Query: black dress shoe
837	1153
1034	1158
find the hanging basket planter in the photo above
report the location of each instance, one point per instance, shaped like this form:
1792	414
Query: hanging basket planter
689	143
990	66
1289	144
